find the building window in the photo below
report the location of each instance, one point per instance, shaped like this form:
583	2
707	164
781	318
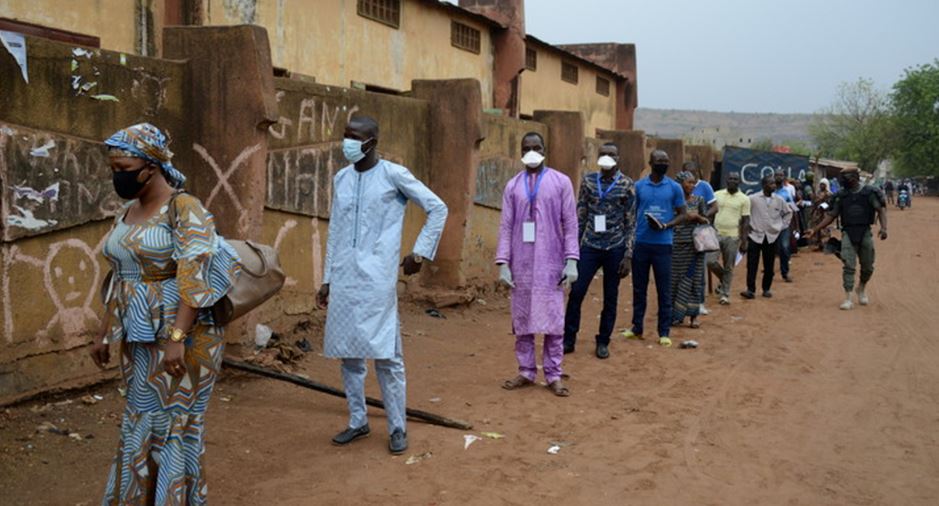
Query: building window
531	59
569	72
603	86
387	12
464	37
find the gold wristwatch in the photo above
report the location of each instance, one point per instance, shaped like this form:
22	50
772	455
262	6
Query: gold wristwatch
177	335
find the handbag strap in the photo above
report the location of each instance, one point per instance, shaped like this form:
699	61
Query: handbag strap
265	268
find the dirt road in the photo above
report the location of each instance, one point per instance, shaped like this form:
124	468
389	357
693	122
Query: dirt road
788	401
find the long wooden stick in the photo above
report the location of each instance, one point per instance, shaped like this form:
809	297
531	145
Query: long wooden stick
326	389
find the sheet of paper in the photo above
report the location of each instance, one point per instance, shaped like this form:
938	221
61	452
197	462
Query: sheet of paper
15	44
528	231
738	259
599	223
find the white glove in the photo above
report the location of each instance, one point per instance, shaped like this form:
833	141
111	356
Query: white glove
505	276
570	273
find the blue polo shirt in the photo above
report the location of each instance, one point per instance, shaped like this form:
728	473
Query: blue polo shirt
704	190
659	199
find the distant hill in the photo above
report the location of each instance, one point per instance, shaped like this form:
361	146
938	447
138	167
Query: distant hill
683	124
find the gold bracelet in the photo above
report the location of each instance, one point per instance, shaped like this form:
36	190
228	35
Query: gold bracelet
177	335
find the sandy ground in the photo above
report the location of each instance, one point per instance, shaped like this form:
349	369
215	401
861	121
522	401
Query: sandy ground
788	401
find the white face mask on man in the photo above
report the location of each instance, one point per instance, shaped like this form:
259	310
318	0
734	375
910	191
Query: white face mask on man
606	162
532	159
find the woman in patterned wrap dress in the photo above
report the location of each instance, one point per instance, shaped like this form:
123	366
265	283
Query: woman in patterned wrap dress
165	277
687	263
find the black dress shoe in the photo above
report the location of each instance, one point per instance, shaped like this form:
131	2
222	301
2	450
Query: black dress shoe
349	435
768	294
398	443
747	295
787	279
568	348
603	351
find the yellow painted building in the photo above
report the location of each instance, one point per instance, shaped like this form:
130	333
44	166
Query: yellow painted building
340	43
116	32
379	45
557	80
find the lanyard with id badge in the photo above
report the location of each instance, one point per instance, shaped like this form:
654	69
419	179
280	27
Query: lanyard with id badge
528	227
599	220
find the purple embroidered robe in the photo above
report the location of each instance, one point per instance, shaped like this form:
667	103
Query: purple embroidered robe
538	298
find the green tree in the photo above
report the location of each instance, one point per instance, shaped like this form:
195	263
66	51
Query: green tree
857	127
799	147
916	110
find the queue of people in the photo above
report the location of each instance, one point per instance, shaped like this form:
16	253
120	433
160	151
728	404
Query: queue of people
170	266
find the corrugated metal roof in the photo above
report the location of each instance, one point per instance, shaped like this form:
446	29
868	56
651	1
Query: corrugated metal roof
838	164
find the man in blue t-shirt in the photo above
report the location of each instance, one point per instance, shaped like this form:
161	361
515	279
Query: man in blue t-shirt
660	205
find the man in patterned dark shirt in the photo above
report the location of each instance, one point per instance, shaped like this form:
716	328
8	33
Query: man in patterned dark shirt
606	213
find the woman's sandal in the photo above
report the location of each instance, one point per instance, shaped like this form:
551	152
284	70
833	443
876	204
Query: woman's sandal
558	389
517	382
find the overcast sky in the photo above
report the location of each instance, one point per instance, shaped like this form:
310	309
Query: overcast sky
749	55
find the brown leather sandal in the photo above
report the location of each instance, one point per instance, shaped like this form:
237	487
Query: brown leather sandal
517	382
558	389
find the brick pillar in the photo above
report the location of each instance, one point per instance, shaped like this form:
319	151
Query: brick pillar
457	127
565	142
632	153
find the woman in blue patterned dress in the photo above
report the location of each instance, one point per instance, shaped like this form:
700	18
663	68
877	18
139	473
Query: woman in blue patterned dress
165	278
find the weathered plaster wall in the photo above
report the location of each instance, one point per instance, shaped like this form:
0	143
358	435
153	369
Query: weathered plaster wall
116	30
56	200
131	26
543	89
331	42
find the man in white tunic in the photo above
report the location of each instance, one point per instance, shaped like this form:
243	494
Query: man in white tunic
361	273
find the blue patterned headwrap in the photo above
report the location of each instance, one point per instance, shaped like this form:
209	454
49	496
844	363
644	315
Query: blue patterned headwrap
149	143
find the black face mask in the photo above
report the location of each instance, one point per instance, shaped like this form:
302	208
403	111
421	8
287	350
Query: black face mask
126	184
660	168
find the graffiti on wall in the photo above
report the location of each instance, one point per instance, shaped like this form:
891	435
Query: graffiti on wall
491	177
309	119
69	273
299	180
306	152
52	182
224	176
